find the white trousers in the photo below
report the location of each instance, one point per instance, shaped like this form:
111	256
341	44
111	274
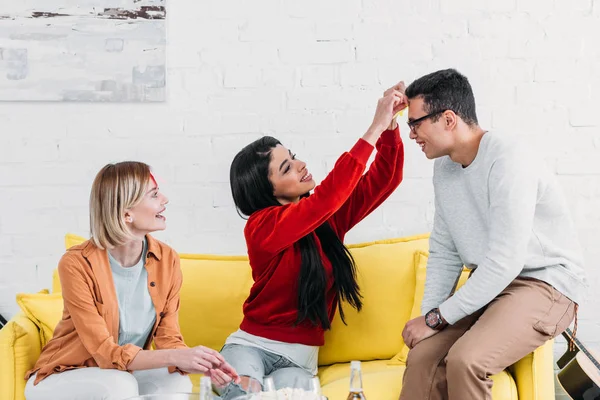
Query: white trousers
106	384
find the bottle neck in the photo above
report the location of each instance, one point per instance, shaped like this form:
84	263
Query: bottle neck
205	390
315	386
356	380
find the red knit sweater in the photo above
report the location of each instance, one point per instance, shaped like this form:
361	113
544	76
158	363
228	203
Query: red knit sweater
344	198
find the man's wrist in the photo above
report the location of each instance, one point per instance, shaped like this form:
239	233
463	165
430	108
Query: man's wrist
435	320
444	322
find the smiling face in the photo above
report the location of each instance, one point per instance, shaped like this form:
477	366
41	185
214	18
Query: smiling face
433	136
146	216
289	176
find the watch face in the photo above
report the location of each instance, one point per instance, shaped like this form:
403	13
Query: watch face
431	319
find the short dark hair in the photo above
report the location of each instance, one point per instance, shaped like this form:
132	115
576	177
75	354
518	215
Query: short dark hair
446	89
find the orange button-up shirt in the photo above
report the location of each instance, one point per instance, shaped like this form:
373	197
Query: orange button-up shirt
87	335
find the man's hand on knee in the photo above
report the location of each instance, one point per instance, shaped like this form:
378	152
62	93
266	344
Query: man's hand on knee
415	331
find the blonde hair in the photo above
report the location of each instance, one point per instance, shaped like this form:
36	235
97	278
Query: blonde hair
116	188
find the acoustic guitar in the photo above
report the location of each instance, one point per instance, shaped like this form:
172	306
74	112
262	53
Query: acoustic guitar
580	371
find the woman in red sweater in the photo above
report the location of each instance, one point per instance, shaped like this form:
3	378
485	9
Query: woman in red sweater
300	266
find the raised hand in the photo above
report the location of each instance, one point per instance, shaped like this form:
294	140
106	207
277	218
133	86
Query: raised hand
393	100
387	107
400	90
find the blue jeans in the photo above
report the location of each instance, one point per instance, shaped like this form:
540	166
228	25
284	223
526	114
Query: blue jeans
258	364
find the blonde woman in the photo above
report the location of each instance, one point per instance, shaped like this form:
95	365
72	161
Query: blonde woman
121	293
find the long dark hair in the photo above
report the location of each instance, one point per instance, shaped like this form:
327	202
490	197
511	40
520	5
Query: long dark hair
253	191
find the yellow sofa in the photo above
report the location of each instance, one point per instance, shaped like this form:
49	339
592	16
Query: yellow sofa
391	276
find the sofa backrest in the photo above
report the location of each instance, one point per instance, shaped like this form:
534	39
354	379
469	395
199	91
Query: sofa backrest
215	288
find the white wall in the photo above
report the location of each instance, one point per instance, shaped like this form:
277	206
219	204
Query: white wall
308	72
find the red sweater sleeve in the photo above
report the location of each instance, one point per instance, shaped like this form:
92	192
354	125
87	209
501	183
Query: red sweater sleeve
273	229
383	177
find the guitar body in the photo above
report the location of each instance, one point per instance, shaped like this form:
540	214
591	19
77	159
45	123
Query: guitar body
580	378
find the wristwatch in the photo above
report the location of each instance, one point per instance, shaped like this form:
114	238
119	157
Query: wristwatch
434	320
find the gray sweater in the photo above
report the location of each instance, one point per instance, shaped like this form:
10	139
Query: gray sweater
504	215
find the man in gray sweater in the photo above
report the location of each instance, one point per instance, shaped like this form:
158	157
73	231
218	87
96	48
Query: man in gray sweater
501	213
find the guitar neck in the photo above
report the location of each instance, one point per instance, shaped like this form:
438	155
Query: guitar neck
569	334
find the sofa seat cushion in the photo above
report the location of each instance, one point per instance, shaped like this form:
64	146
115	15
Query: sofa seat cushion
383	381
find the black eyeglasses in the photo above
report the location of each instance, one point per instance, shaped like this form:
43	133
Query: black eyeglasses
414	123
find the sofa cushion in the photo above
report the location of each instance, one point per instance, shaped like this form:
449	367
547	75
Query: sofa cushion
19	349
384	382
44	310
213	293
386	276
421	258
420	272
73	240
420	263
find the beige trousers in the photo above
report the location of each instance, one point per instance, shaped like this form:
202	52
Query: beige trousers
456	363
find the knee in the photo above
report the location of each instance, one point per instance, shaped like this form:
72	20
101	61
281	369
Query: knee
30	392
250	384
461	360
121	385
159	380
292	377
233	390
177	383
184	383
423	355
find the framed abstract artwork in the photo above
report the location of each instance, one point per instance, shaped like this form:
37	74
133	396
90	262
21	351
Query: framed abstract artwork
83	50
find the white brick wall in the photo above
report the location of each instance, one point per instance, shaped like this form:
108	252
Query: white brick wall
309	73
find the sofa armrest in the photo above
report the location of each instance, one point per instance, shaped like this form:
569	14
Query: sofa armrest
534	374
20	347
